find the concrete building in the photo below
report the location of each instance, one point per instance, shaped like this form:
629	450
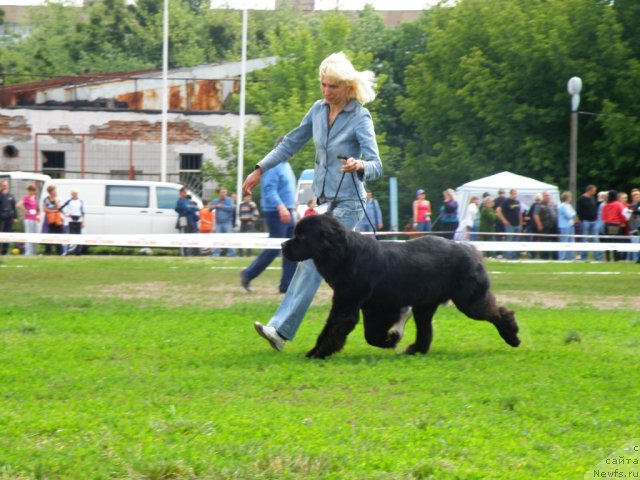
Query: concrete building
109	125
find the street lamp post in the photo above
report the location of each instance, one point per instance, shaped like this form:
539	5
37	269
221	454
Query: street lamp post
573	87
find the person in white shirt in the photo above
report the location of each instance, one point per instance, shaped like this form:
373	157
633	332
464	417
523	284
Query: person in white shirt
74	212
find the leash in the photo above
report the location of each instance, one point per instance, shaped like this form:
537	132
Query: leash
334	202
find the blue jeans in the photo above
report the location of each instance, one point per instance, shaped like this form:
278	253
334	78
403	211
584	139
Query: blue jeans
635	255
225	227
512	255
566	236
306	281
590	228
424	226
277	229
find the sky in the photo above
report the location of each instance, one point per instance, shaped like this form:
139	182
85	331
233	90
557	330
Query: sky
270	4
332	4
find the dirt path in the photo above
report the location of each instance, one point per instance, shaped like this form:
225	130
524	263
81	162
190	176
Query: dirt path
266	292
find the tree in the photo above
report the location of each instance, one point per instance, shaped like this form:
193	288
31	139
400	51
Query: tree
489	92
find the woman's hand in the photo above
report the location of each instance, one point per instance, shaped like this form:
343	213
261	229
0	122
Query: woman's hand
252	180
352	165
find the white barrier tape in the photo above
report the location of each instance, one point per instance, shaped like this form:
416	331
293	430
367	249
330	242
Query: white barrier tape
261	241
173	240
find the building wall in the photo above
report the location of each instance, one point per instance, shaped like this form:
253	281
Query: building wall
101	142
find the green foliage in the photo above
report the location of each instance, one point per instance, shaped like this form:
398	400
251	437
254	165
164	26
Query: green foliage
489	92
463	91
150	368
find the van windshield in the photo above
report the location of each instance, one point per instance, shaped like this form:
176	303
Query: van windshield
305	193
167	197
18	186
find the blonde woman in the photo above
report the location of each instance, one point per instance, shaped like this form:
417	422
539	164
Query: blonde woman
345	142
448	218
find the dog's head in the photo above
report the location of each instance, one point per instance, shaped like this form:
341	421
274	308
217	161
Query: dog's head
320	237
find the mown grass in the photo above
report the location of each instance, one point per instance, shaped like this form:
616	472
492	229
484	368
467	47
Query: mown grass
93	386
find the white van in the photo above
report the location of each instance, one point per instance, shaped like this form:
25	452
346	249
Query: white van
304	192
123	206
111	206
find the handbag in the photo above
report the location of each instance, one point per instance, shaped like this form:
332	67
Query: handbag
182	222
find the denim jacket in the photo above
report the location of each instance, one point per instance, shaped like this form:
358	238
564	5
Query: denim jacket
351	135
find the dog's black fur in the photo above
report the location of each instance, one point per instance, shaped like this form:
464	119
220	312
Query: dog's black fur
380	278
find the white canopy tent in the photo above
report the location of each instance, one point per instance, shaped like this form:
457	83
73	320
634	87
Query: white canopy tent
527	189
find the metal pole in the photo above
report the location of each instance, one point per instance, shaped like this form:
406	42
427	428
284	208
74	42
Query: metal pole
573	157
165	92
393	203
243	75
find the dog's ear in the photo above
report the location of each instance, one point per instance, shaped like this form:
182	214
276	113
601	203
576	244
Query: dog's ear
329	240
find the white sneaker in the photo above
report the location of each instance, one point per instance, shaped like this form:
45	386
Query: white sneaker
270	335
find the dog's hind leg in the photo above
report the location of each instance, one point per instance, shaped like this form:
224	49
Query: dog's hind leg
423	316
485	307
379	326
340	323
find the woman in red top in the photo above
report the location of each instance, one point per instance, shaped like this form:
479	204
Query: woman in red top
614	220
421	212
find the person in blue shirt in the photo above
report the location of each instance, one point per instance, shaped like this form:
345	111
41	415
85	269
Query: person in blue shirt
225	212
566	224
373	217
345	144
187	218
277	202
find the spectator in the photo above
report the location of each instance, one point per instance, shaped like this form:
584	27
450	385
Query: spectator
225	214
510	214
277	201
311	207
74	209
530	225
248	215
497	203
187	218
448	217
624	199
602	201
207	223
471	219
421	212
340	126
207	218
614	221
54	223
373	215
234	218
8	212
29	204
546	223
634	222
587	211
566	225
487	221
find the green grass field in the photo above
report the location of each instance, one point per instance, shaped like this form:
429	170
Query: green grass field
149	368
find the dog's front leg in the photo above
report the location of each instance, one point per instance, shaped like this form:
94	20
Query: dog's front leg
341	321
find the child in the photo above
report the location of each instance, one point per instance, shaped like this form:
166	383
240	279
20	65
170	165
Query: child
311	210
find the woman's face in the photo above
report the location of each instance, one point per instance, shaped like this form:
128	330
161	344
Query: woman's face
334	92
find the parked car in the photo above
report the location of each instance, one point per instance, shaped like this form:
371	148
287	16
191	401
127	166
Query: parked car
304	191
114	206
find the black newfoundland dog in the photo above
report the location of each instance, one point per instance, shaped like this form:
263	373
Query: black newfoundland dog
383	278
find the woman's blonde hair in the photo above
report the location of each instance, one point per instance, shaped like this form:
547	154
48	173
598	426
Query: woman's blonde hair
338	67
450	192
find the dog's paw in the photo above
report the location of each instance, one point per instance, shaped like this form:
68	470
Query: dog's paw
413	349
316	353
393	337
